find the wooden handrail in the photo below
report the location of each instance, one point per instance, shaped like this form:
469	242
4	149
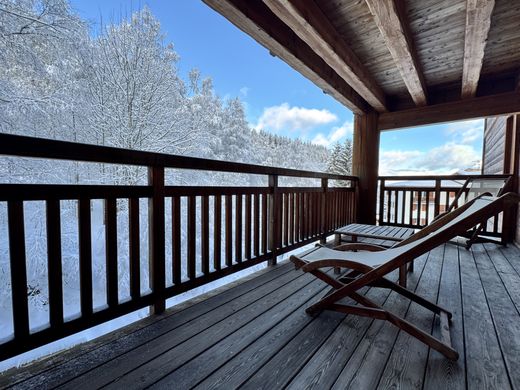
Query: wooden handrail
22	146
250	225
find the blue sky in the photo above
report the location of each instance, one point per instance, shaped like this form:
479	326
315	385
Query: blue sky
279	99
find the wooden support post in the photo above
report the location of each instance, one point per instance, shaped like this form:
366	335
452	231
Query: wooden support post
323	221
274	218
365	162
156	238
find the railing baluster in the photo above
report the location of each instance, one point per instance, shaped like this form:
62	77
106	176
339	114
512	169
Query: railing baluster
323	210
396	207
54	263
411	207
156	239
297	217
403	208
305	215
111	251
217	237
135	248
205	234
285	219
238	228
192	207
229	231
381	200
274	218
176	240
18	269
437	203
256	225
264	223
427	207
419	206
247	227
388	204
85	257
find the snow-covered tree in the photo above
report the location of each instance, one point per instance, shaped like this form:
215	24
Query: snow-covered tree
340	160
135	95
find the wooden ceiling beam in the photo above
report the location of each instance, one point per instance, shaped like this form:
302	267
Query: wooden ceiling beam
391	20
480	107
256	20
306	19
478	22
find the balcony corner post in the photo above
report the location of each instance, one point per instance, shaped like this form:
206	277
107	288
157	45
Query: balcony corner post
156	238
365	161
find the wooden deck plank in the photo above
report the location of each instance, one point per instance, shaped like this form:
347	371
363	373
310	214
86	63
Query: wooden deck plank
504	260
242	367
257	335
365	367
484	363
144	366
506	317
407	362
442	373
512	254
228	348
66	366
325	365
287	362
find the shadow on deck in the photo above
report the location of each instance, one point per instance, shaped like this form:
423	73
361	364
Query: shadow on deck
257	335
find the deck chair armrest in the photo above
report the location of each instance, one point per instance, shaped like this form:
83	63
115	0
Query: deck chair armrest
359	246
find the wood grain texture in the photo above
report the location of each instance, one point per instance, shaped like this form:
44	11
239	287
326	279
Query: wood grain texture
478	107
365	156
391	19
478	23
257	335
484	363
309	23
85	357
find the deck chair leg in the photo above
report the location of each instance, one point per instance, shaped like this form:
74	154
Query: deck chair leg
403	275
379	313
424	337
414	297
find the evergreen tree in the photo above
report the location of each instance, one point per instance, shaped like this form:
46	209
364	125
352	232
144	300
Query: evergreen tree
340	160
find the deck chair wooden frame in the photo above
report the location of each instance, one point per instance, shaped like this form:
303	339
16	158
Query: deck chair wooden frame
370	269
469	187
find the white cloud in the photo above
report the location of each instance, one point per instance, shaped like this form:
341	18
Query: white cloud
466	132
443	159
244	91
334	135
285	117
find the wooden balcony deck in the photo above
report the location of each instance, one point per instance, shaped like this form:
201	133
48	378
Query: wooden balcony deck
257	335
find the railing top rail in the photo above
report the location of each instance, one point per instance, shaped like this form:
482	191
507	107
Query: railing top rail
22	146
441	177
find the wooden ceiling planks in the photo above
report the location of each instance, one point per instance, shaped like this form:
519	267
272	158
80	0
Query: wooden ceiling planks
308	22
256	20
437	29
478	22
502	53
392	22
356	25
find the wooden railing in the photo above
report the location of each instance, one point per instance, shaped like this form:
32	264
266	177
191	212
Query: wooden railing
227	229
414	201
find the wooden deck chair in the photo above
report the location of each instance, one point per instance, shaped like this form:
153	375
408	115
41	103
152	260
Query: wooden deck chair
369	264
472	188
